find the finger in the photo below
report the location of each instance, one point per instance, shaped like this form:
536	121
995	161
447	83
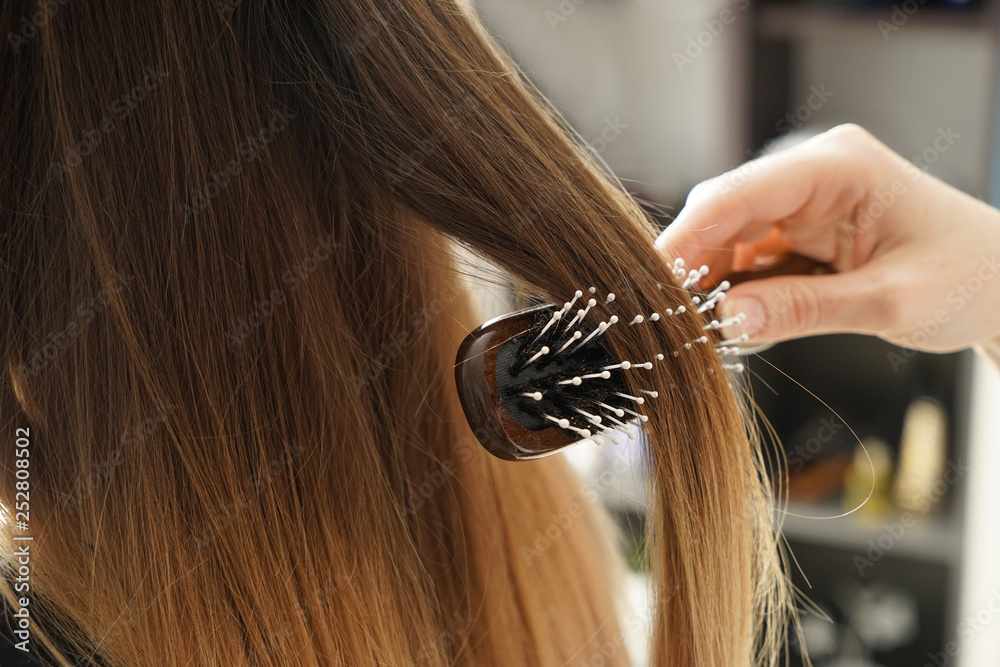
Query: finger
719	262
778	309
743	205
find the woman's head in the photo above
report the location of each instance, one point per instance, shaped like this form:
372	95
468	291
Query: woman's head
230	319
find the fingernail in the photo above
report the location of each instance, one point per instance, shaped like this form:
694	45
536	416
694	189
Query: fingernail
753	320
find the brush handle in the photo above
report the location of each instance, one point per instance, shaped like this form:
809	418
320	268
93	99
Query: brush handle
791	264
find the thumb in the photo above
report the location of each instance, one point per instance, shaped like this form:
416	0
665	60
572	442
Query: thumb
787	307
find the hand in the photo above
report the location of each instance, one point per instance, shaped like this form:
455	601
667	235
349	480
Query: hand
916	260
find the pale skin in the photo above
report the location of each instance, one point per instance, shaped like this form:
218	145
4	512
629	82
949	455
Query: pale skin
917	261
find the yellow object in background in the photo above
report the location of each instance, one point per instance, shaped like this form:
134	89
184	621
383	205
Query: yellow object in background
871	456
919	482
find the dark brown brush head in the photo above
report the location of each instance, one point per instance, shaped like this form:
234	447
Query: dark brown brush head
537	380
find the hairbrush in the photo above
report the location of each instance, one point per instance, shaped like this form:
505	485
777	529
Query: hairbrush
537	380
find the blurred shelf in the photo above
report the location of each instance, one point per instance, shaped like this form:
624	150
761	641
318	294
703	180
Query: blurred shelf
935	538
793	21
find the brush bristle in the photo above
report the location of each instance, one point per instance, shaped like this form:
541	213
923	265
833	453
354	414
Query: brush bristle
558	374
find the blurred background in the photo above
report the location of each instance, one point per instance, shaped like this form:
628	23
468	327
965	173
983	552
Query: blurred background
671	92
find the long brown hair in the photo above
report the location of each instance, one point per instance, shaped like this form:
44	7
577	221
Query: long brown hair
230	314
